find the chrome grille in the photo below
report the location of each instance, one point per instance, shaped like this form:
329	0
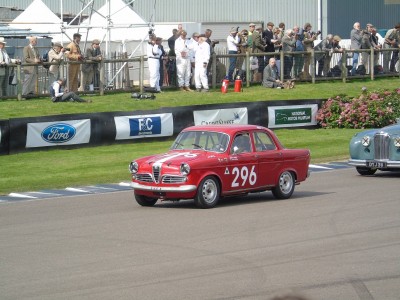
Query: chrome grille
156	172
381	145
173	179
144	177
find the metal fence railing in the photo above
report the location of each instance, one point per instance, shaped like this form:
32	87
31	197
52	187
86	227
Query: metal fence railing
123	73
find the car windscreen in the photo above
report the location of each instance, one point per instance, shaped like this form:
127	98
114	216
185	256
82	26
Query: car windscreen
201	140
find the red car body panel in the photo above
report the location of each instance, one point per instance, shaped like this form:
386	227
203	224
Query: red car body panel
257	170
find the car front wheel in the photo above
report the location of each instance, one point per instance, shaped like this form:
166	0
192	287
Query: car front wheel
365	171
207	193
145	201
285	186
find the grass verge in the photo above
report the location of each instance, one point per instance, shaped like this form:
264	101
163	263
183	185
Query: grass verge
40	170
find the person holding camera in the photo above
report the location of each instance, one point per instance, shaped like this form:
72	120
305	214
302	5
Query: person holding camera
356	35
392	40
74	54
308	42
4	70
298	60
288	46
56	54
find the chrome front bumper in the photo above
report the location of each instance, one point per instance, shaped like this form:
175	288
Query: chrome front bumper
390	164
174	189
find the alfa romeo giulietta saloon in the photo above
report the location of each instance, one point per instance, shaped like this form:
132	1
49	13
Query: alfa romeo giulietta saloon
206	163
376	149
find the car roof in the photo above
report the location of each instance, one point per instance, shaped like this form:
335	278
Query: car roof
230	129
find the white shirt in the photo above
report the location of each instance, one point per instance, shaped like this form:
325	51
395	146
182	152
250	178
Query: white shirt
153	51
192	45
231	42
4	57
181	48
58	91
202	53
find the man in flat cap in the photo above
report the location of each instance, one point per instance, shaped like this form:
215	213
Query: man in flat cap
257	46
232	42
90	70
74	55
268	37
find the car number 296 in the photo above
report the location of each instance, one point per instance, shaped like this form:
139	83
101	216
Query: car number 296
242	175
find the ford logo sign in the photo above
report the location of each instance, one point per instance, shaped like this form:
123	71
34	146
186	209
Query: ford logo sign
58	133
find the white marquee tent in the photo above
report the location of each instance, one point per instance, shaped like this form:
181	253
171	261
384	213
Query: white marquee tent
38	18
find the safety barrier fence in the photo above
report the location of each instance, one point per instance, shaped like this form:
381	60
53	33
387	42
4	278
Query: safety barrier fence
129	73
95	129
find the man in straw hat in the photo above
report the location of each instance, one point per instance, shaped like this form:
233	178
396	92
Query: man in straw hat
4	70
56	54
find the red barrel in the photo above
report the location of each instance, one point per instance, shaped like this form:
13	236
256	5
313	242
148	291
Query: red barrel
238	85
224	87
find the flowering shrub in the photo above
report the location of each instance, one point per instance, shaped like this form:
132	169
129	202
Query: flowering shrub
369	110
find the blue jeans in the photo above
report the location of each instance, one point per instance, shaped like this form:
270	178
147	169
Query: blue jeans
232	65
355	63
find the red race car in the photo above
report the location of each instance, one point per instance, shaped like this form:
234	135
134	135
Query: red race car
206	163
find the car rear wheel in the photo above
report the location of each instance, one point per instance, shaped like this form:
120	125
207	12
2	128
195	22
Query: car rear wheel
285	187
145	201
207	193
365	171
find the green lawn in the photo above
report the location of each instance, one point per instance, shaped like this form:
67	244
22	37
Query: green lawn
123	101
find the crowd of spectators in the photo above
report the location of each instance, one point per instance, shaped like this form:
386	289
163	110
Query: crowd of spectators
188	62
275	39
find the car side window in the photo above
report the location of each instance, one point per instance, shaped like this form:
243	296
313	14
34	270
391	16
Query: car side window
241	144
263	142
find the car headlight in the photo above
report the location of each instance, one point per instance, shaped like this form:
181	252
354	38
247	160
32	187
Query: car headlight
185	169
366	141
396	142
133	167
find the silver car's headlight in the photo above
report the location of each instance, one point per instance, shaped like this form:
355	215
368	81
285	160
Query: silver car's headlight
366	141
185	169
396	142
133	167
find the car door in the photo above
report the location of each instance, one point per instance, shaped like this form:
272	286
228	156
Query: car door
269	158
241	171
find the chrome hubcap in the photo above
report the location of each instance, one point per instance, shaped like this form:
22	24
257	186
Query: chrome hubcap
209	191
286	182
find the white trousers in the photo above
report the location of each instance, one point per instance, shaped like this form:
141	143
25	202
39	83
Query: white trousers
200	76
183	67
154	72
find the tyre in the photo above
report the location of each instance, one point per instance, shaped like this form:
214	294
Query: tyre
145	201
365	171
285	187
207	193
